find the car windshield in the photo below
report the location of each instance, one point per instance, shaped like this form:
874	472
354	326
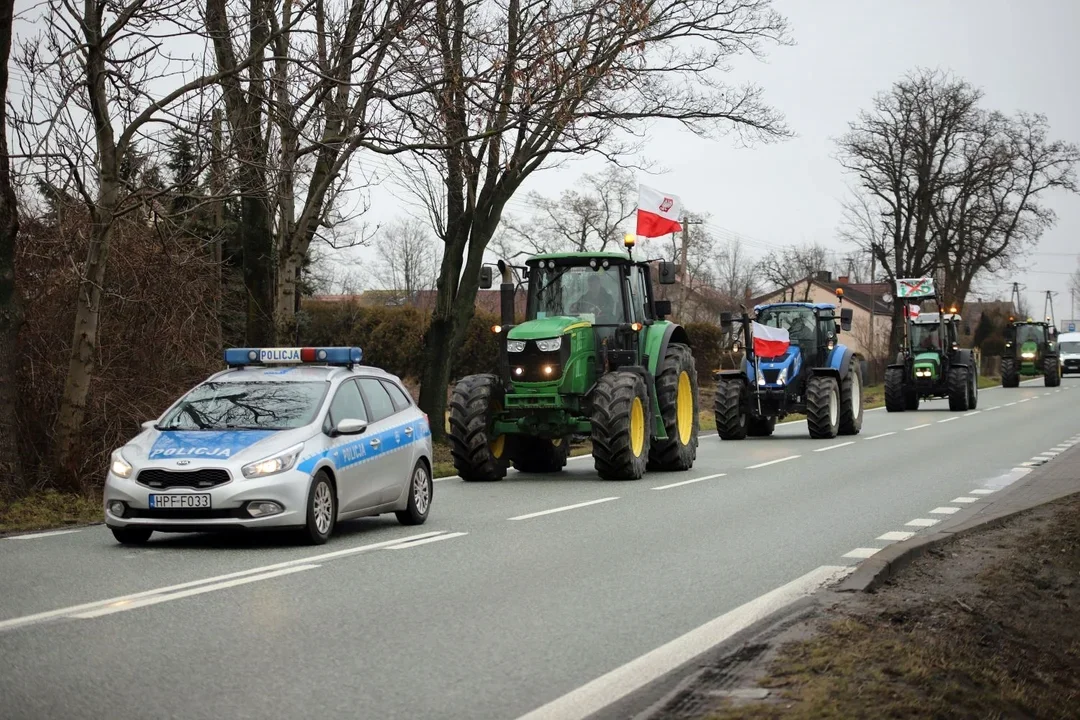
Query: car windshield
926	336
1071	346
798	321
246	405
594	295
1029	333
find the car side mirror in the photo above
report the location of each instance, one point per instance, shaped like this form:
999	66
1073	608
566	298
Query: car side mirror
350	426
667	273
663	308
845	319
486	277
725	320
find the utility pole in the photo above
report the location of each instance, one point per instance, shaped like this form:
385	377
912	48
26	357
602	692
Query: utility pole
686	223
873	302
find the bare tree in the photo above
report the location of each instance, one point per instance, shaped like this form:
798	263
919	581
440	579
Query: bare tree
11	312
733	272
408	259
579	220
542	80
788	269
82	115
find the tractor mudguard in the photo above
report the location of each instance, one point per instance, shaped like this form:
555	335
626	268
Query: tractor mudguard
839	359
656	344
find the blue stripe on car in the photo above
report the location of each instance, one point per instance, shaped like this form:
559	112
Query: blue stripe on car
360	450
204	443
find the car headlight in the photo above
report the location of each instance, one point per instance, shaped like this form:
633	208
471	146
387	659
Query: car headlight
549	344
280	462
119	466
515	345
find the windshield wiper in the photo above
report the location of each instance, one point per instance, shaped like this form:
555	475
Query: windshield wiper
248	427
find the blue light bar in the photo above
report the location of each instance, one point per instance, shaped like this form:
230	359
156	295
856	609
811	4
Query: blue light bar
239	357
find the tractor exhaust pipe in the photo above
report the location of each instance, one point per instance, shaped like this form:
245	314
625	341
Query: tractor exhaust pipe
506	294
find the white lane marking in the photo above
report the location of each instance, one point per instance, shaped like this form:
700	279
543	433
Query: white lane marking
63	612
564	508
687	482
861	553
620	682
586	456
446	477
982	491
833	447
1049	453
973	412
50	533
125	605
922	522
957	417
1024	400
996	407
424	541
916	427
772	462
963	499
875	437
896	535
1045	394
1009	404
458	477
944	510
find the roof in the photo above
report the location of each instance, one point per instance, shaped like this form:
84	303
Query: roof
585	255
290	373
857	294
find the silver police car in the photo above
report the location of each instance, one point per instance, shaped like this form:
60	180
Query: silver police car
285	438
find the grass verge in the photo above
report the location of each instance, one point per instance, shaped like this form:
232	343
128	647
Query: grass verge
49	509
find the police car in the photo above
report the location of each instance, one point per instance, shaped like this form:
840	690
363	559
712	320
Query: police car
284	438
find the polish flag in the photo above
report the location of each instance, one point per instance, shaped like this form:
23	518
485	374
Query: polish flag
911	311
658	213
769	342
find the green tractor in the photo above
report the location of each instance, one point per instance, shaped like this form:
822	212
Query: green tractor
1030	349
594	357
931	363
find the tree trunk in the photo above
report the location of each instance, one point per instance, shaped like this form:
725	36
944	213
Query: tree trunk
896	335
10	306
258	250
288	274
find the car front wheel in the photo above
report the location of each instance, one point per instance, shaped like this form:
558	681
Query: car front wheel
321	509
421	488
132	535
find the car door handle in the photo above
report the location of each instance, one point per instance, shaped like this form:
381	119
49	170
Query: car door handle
408	431
375	442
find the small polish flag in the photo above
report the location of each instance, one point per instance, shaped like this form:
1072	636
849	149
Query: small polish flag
769	342
911	311
658	213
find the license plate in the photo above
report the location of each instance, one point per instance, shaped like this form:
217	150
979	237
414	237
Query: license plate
180	500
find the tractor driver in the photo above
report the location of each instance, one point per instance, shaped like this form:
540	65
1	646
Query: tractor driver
598	300
800	331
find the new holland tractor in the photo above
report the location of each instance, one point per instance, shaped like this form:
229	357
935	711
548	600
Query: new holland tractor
930	363
810	372
1030	349
594	357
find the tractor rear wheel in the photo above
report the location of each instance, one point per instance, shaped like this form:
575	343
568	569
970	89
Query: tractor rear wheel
1051	372
620	426
478	455
1009	377
677	395
959	382
851	400
760	426
540	455
731	420
822	407
973	388
894	390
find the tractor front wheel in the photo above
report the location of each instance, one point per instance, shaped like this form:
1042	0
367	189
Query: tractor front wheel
728	410
973	388
1051	372
620	426
851	400
540	455
822	407
677	395
760	426
959	391
479	455
1009	377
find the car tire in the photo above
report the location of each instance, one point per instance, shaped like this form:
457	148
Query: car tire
321	509
421	489
132	535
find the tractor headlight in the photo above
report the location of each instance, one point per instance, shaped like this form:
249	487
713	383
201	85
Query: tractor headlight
550	344
515	345
782	377
760	377
1028	355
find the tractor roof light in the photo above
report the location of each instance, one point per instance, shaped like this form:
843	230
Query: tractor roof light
629	240
953	310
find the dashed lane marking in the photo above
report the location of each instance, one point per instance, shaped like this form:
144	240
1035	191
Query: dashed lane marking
833	447
894	535
564	508
973	412
916	427
944	510
772	462
957	417
1009	404
875	437
688	482
996	407
982	491
424	541
922	522
861	553
964	499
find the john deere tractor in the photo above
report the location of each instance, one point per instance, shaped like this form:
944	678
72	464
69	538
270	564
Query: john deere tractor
1030	349
594	357
930	364
815	374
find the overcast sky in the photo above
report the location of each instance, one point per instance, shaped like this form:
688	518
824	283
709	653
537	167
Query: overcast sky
1023	55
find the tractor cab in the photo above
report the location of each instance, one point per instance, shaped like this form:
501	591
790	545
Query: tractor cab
931	338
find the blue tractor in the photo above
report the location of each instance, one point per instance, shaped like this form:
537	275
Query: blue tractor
815	375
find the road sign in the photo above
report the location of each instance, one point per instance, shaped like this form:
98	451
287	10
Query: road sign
1072	327
914	287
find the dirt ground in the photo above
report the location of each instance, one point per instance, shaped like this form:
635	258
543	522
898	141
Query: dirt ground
987	626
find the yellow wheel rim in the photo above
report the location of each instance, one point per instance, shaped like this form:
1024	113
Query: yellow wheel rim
557	442
684	410
497	446
637	427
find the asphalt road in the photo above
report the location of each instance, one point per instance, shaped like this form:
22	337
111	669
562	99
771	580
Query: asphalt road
501	607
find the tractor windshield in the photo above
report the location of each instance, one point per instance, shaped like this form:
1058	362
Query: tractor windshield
925	336
593	295
1030	334
798	321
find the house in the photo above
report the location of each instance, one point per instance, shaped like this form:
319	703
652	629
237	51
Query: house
871	319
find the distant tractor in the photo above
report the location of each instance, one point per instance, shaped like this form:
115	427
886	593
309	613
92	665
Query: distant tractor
1030	349
594	357
793	363
930	364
